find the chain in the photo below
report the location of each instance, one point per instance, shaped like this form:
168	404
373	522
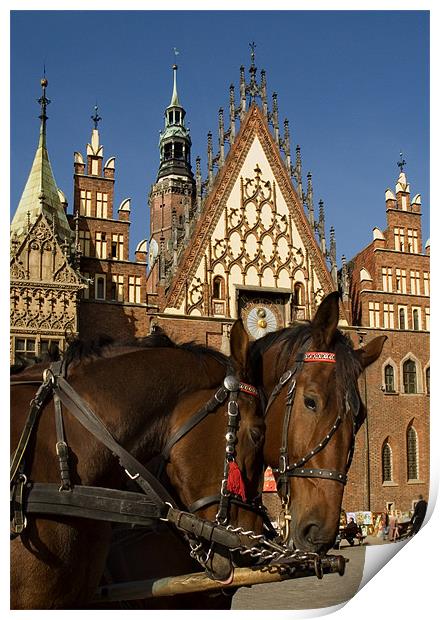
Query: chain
271	551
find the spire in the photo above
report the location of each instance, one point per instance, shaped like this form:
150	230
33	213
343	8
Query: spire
174	96
40	195
175	141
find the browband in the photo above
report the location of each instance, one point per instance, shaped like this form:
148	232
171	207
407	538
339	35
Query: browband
320	356
248	389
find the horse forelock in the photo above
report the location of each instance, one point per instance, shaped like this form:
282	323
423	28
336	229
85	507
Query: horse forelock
291	339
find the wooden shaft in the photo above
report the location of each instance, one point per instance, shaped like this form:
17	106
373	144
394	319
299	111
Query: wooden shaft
199	582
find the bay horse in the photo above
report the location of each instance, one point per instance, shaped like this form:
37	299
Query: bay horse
143	394
309	373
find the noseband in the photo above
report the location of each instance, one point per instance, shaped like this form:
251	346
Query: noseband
299	469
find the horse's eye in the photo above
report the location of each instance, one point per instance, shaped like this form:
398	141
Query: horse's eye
310	403
256	436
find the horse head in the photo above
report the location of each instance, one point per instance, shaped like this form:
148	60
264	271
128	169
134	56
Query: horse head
310	373
217	468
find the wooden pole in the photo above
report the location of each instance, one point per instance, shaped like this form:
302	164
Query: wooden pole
199	582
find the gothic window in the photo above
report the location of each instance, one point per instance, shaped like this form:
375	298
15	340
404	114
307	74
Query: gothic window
402	318
298	294
410	377
387	463
218	288
134	289
412	454
416	319
389	378
99	287
428	380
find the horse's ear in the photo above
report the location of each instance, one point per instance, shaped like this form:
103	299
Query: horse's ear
239	341
325	321
369	354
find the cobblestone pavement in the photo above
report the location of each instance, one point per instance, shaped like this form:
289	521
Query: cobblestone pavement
308	592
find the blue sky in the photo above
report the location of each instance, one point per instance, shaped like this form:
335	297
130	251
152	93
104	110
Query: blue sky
353	84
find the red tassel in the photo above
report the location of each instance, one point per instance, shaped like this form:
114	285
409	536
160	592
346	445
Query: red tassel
235	482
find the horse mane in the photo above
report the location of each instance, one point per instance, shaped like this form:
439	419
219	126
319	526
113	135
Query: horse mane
348	367
102	346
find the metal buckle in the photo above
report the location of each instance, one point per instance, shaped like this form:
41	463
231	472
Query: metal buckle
283	464
285	377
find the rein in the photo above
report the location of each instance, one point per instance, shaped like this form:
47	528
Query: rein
113	505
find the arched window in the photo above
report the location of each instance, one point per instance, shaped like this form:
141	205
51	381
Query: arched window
409	377
217	288
387	463
428	380
298	294
402	322
389	378
412	454
416	323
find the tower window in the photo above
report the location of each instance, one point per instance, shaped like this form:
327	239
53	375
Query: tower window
176	117
171	117
409	377
178	150
168	151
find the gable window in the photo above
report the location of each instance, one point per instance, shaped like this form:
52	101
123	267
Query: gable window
409	377
389	378
134	289
387	463
85	205
84	242
117	291
413	241
117	250
101	245
101	204
399	239
412	454
217	288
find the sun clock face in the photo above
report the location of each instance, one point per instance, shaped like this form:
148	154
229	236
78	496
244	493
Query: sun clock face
260	320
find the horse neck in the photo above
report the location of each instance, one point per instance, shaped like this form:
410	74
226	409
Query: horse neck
136	393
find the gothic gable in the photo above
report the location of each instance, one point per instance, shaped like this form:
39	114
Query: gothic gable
252	235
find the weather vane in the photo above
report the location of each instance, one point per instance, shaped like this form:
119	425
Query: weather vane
252	46
96	118
401	163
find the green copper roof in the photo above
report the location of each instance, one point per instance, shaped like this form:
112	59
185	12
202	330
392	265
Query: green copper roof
40	194
174	97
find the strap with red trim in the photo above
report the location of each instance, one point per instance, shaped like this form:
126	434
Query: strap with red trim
320	356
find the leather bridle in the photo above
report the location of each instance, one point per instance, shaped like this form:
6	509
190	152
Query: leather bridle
286	469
